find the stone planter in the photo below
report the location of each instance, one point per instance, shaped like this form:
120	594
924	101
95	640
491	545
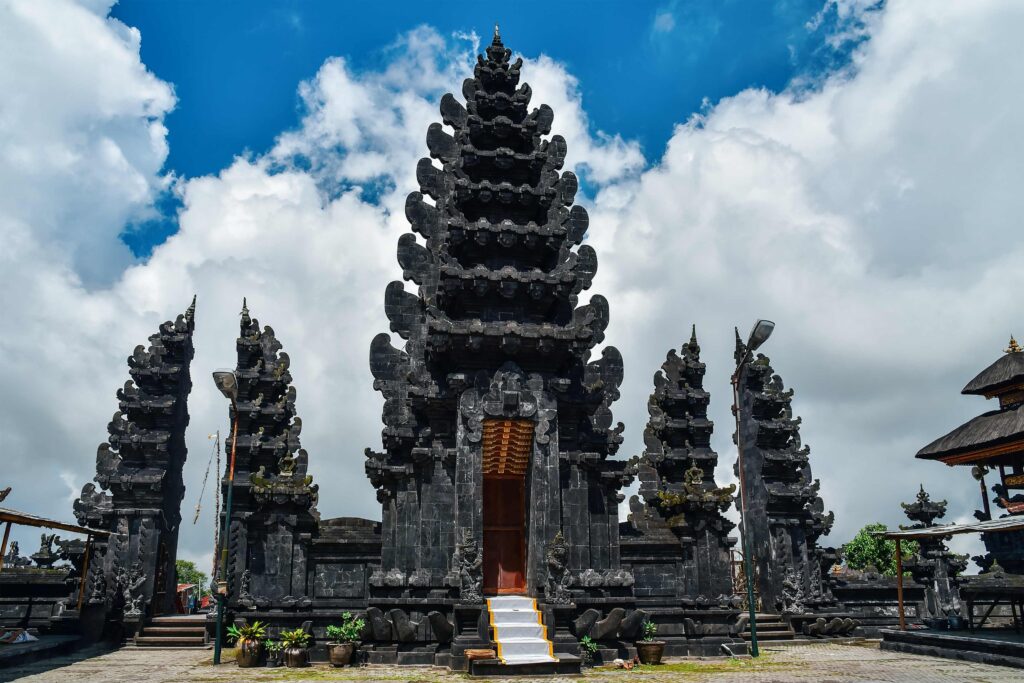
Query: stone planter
248	653
650	651
341	653
296	657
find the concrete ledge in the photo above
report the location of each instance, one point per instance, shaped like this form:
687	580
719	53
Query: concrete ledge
46	646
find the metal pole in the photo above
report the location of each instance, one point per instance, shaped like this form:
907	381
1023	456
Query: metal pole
85	571
3	547
754	652
899	584
222	598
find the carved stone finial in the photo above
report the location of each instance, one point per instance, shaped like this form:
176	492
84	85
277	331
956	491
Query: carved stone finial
1014	347
497	35
246	320
190	312
693	333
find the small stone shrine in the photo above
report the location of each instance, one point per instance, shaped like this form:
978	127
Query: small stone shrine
934	566
785	513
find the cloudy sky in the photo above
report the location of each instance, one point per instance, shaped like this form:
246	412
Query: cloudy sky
849	169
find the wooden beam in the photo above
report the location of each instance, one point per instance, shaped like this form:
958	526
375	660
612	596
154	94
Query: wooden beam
85	572
3	547
899	585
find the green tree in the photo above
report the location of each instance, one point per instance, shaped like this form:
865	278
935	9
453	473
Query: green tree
187	572
866	549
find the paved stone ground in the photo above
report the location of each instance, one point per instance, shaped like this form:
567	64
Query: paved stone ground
860	663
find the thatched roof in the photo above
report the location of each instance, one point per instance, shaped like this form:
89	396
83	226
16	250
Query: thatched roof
989	429
1005	372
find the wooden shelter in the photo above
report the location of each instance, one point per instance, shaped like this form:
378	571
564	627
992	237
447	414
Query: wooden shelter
12	517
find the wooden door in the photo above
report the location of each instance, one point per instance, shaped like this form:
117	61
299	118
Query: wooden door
507	445
504	534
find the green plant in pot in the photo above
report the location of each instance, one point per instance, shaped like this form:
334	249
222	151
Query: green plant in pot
295	644
248	639
343	639
588	650
274	649
648	649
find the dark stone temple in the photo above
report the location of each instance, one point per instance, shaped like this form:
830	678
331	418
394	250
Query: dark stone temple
497	476
139	473
785	513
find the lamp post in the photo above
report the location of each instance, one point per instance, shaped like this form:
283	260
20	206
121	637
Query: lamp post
227	384
758	336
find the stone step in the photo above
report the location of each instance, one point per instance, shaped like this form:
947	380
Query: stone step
770	636
190	621
173	641
565	665
188	631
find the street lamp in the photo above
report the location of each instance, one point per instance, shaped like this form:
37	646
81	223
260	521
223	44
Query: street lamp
227	384
758	335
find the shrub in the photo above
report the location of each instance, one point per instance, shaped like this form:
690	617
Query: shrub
257	630
350	630
294	638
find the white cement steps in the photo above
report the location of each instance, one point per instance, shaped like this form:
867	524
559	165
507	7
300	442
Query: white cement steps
518	632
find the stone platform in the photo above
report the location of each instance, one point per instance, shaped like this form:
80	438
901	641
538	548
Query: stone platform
1001	647
800	664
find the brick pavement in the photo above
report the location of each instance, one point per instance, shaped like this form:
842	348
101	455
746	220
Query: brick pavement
824	663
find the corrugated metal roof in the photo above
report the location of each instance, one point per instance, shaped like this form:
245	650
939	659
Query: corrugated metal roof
1012	523
26	519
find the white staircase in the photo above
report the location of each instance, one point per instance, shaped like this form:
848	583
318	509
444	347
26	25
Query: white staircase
520	635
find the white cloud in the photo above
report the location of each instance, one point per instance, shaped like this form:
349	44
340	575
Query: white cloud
872	219
664	22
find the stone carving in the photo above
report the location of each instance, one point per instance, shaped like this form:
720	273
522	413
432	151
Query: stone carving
792	594
442	629
785	513
13	559
130	582
45	557
556	590
468	563
139	469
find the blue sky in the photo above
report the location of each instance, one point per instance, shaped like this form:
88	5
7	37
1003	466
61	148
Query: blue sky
642	66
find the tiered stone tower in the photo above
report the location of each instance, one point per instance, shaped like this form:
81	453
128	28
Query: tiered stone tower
274	510
498	427
785	514
140	466
679	508
934	566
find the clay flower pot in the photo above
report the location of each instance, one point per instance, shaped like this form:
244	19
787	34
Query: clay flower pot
650	651
341	653
296	657
248	653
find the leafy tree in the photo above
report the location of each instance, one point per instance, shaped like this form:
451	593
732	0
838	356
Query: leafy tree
865	550
187	572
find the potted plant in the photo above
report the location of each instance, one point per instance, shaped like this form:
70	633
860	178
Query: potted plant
344	639
588	650
273	648
647	648
248	643
294	644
